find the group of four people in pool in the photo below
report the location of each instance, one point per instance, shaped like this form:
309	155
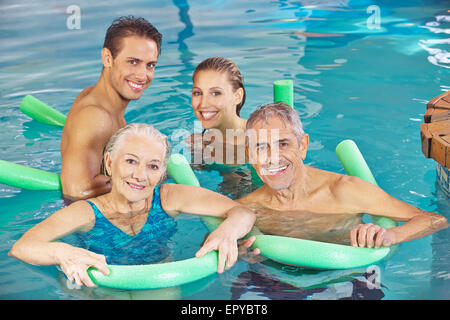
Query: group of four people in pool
113	171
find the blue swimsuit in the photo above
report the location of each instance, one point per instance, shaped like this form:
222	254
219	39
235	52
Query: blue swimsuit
148	246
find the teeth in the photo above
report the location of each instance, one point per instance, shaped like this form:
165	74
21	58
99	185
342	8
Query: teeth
134	85
208	115
275	170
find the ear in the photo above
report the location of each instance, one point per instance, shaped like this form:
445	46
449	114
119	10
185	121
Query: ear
238	96
107	161
304	143
107	58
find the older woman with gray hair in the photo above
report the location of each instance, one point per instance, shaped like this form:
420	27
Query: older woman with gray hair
138	210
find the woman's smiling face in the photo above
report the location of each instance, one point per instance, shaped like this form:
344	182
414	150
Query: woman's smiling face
136	166
213	98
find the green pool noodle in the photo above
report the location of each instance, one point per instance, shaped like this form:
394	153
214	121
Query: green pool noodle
156	276
354	165
41	112
180	170
316	254
24	177
283	90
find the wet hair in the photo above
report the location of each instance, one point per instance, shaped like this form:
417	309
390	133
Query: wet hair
130	26
281	110
221	64
138	129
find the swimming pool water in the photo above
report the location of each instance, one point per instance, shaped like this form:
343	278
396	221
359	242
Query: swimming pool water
353	79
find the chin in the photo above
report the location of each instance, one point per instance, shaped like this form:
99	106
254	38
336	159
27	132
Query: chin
208	125
132	97
277	185
136	198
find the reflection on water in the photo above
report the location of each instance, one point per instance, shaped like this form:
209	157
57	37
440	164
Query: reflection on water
438	48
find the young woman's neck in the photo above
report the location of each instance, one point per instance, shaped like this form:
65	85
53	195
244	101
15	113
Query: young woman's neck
234	123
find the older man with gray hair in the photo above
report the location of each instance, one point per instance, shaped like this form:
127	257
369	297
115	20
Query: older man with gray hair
300	201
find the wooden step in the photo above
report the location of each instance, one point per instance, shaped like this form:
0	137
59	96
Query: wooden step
435	132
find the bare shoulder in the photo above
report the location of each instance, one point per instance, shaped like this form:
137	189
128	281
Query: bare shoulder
79	213
81	208
87	108
87	114
252	197
345	183
88	121
357	194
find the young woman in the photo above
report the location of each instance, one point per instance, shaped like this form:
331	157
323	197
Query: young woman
137	211
218	95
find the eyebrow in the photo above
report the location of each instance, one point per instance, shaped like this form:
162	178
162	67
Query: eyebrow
209	89
266	143
140	60
153	160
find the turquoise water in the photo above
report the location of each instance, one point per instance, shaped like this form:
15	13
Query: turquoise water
352	79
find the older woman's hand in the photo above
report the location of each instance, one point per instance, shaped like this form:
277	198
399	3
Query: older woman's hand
371	235
225	243
74	262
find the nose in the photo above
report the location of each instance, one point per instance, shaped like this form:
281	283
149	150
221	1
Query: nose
274	154
202	101
140	172
142	73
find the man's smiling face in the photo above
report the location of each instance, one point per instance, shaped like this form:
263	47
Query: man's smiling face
275	152
131	71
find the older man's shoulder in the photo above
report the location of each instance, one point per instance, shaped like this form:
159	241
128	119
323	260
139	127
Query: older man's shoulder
252	197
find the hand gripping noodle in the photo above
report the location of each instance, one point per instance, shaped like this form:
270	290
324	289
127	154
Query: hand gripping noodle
155	276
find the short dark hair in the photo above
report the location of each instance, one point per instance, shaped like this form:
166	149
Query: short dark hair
130	26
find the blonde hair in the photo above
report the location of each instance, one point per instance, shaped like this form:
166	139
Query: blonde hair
139	129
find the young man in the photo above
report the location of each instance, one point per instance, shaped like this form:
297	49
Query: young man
129	55
299	201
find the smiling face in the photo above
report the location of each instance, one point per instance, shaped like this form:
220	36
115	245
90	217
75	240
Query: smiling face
213	98
131	71
275	152
136	166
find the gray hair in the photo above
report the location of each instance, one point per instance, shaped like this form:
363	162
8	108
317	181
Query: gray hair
139	129
281	110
